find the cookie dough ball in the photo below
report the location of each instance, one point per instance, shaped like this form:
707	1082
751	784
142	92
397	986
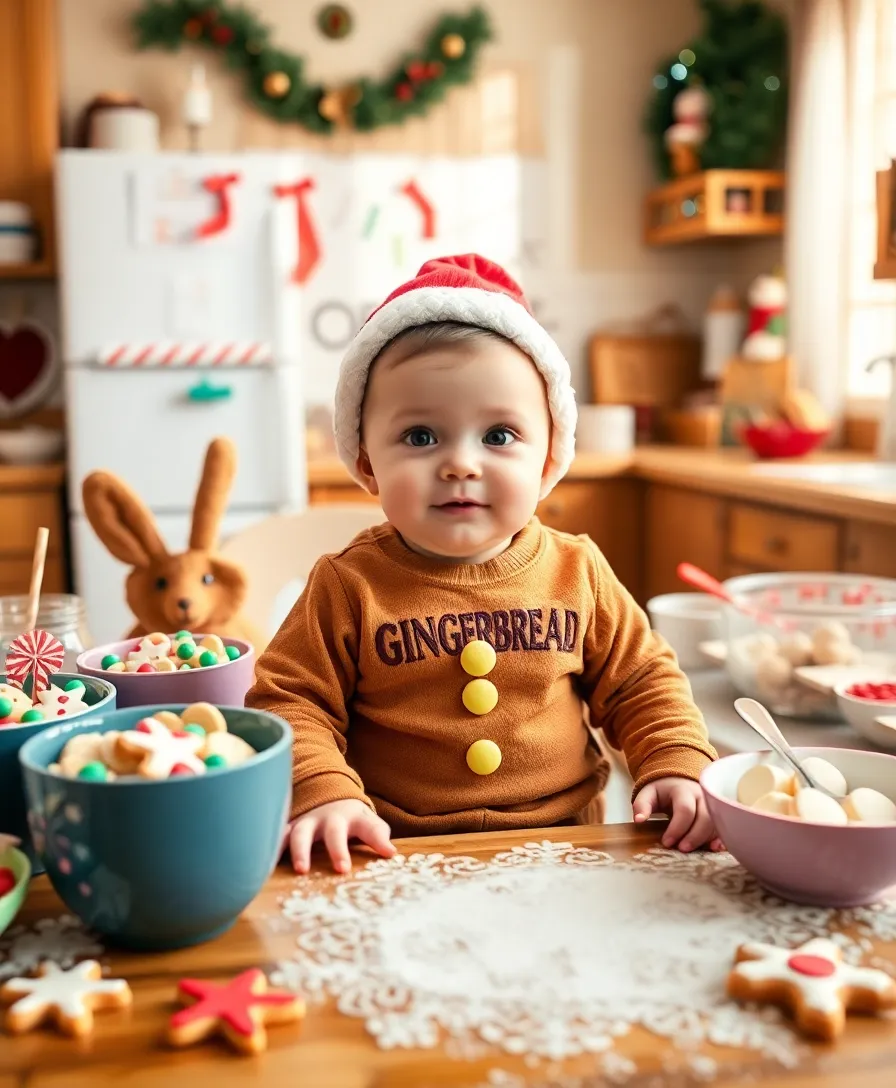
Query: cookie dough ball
762	779
868	806
826	774
831	643
835	653
773	674
755	647
776	803
816	807
797	649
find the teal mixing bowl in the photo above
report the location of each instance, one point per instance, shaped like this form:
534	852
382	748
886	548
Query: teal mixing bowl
99	695
161	864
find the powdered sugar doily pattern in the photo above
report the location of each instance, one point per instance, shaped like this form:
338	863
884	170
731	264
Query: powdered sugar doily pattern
550	951
64	940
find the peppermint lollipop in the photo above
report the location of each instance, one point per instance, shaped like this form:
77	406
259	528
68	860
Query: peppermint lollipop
35	652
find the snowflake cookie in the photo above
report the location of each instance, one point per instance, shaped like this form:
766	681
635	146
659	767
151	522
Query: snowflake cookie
67	996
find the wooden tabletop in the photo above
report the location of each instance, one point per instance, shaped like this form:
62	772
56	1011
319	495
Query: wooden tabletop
333	1051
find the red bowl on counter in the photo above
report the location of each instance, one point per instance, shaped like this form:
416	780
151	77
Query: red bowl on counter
781	439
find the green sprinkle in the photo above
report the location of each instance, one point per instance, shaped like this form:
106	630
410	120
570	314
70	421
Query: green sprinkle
197	729
233	652
185	634
184	668
208	657
5	707
75	685
93	772
35	714
215	761
186	650
109	660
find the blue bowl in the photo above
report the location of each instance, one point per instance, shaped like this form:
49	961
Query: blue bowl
161	864
99	695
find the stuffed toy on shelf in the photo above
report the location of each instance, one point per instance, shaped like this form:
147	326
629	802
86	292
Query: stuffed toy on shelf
196	589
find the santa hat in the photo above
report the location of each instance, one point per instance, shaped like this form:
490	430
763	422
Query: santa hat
473	291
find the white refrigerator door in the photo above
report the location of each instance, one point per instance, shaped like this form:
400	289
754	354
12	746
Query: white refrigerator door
143	426
135	270
99	578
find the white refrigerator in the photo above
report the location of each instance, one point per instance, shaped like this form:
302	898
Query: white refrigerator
180	322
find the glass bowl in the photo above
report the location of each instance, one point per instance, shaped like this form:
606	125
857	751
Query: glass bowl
799	619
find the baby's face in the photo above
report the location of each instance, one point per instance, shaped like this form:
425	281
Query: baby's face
455	444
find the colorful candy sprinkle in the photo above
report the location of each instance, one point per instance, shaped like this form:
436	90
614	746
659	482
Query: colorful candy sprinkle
197	729
109	660
877	693
179	769
207	658
145	667
7	880
35	714
75	685
185	634
5	707
186	650
233	652
215	761
94	772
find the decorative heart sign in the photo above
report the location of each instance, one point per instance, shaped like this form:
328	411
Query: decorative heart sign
27	368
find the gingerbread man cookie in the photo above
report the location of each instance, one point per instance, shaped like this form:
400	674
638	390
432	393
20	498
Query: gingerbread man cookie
238	1010
63	702
69	998
811	981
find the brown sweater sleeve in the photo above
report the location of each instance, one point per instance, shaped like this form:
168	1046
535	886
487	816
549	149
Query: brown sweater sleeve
636	690
307	676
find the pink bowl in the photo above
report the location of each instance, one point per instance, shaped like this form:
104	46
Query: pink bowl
224	685
808	863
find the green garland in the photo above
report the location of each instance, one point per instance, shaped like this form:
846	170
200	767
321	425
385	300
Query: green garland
275	78
741	60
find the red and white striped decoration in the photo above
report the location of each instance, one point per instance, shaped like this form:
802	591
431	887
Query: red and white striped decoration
167	353
36	652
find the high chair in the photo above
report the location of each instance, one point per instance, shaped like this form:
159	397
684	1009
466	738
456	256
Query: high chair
278	553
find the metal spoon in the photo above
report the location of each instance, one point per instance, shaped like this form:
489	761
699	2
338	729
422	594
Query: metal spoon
758	718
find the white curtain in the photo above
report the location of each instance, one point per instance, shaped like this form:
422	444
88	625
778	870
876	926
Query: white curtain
817	189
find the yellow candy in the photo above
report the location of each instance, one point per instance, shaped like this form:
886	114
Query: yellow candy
478	658
480	696
483	757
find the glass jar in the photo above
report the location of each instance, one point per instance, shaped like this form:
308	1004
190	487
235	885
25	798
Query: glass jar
793	621
62	614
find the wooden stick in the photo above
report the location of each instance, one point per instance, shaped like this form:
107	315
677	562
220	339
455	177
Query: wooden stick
37	576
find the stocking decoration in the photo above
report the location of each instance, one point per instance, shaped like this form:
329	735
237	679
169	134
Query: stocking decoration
309	246
36	652
218	185
427	211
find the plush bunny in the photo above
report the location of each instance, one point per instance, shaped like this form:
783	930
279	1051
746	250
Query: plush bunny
195	590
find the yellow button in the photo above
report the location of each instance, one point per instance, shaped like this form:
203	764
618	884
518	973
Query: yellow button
483	757
480	696
478	657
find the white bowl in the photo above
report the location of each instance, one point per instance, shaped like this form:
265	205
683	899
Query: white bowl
31	445
685	620
863	715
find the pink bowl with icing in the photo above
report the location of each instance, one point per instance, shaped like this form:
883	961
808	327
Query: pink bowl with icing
808	863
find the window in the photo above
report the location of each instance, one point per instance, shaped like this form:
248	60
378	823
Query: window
872	128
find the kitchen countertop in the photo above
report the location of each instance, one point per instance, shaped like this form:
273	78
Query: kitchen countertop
729	472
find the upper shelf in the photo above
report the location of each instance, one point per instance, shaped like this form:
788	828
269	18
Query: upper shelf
715	204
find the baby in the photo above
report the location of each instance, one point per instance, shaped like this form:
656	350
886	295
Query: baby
436	672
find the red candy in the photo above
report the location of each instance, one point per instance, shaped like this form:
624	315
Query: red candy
145	667
876	693
180	768
142	727
7	880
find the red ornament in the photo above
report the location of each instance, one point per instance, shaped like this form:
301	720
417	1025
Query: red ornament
812	966
417	70
434	69
7	880
222	35
404	92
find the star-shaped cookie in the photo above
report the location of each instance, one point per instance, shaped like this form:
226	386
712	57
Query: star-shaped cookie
238	1010
811	981
69	998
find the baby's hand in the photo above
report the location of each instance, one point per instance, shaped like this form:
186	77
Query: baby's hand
334	824
690	825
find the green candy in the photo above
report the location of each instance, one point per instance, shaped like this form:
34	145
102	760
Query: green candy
207	657
186	650
215	761
35	714
94	772
197	729
185	634
75	685
233	652
184	668
109	660
5	707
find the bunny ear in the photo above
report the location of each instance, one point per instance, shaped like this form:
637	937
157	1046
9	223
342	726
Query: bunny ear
121	520
211	498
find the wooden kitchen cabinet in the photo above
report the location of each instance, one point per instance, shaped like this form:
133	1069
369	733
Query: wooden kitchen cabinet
681	526
770	539
870	549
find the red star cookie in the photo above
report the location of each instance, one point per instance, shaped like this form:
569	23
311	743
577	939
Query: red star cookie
238	1010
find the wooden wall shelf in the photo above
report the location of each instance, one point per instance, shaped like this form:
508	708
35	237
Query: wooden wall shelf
716	204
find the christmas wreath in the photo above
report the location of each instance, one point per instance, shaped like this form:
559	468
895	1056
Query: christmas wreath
276	79
740	59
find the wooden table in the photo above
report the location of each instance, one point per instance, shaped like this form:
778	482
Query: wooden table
333	1051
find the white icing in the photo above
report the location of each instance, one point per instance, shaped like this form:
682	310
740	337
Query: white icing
59	703
820	993
165	749
65	990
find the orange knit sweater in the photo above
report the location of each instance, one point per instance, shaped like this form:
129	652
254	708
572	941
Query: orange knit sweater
366	670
